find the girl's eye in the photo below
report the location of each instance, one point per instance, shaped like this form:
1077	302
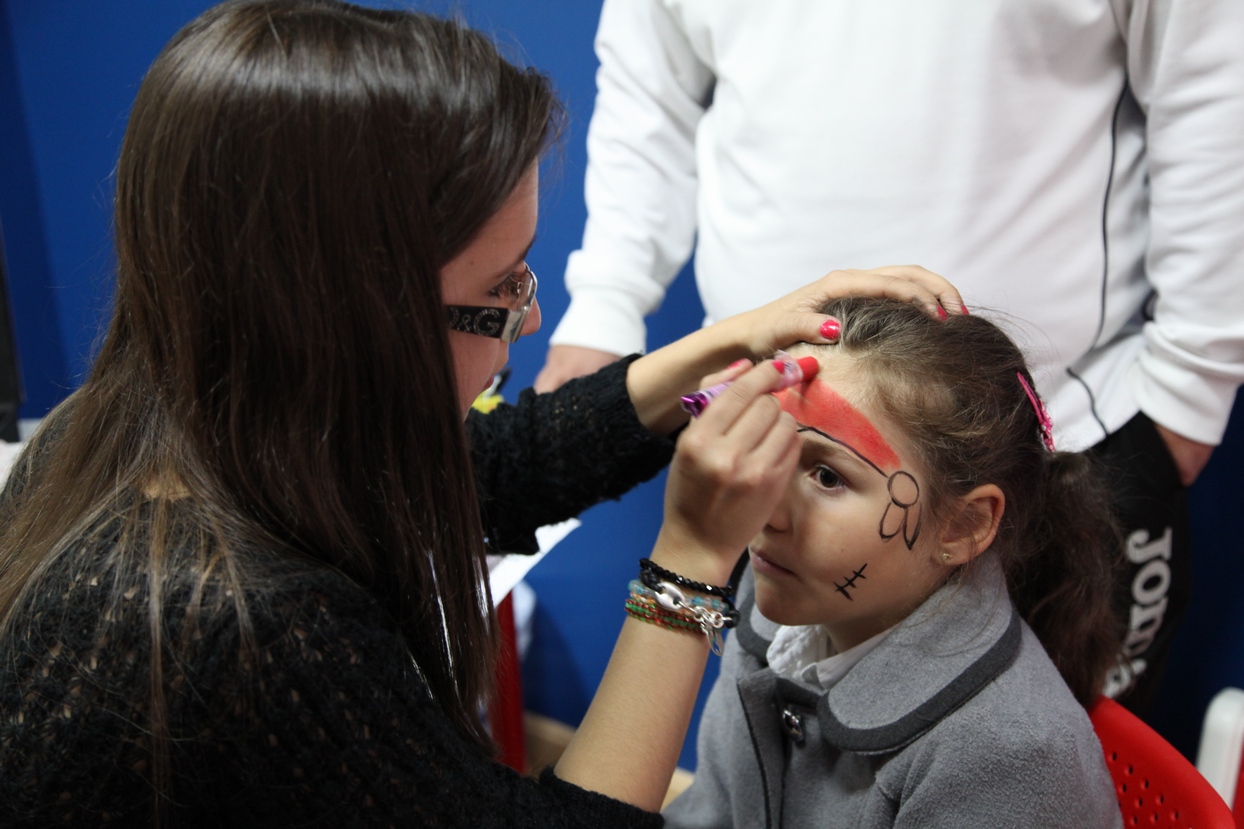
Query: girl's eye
827	477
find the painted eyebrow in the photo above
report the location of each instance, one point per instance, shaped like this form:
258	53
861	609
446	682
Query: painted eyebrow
857	453
825	404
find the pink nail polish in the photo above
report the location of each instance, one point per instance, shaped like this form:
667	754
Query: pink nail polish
941	312
830	329
795	371
739	364
965	310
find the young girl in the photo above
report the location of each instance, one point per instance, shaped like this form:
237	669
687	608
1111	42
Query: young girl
889	668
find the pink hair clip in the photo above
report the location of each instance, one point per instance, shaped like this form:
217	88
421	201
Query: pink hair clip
1043	417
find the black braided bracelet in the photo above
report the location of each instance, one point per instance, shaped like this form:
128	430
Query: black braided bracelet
650	574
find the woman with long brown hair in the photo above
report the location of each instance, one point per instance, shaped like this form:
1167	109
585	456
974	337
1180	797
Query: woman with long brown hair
241	569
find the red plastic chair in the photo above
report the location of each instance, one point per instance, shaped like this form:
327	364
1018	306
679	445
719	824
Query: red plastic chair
505	711
1156	785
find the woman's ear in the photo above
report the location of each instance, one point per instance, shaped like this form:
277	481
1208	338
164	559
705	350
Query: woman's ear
972	528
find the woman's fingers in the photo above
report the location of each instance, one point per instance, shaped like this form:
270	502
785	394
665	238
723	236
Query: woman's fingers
732	465
728	374
743	391
781	448
795	317
906	283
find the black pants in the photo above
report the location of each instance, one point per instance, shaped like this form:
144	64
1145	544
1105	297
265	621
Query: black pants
1155	579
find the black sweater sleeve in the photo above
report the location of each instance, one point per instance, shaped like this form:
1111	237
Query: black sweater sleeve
550	456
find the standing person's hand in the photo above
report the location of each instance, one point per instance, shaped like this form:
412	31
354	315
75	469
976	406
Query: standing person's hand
1189	455
566	362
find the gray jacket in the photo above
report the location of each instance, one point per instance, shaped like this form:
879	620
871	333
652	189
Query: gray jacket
957	719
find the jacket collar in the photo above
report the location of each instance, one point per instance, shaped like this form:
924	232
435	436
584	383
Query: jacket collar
932	662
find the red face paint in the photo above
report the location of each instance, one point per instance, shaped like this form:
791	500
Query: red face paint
817	405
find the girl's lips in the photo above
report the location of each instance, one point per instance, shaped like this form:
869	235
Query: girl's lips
768	566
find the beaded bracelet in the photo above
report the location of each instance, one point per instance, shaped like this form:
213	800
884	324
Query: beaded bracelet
656	616
683	604
655	607
650	573
672	609
661	617
662	621
674	622
638	588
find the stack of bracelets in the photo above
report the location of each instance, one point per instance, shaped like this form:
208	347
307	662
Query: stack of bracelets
658	597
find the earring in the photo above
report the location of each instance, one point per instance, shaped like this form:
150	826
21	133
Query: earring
945	558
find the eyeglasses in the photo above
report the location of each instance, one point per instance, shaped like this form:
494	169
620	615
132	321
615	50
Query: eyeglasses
518	292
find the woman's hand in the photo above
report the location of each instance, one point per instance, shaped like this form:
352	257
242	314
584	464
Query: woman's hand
657	380
793	318
732	466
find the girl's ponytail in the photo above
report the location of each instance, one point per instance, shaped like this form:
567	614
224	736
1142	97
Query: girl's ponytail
1062	582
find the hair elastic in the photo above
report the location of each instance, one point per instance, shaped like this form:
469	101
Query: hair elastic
1043	416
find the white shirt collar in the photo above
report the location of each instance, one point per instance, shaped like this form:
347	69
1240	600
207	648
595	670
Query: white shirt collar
804	654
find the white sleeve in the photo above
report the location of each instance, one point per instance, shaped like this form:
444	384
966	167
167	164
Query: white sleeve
641	176
1186	67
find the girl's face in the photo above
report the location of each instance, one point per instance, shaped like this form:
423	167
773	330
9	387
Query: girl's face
476	276
852	545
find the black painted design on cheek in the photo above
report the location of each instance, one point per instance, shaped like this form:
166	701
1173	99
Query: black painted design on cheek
847	584
902	515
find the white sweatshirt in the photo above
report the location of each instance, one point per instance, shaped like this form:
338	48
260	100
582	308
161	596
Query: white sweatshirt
1074	167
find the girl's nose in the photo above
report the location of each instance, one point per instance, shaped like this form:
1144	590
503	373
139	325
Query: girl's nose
780	518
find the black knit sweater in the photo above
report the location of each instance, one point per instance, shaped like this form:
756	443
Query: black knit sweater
330	725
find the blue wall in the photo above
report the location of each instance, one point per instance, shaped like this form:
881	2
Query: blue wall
68	73
35	316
